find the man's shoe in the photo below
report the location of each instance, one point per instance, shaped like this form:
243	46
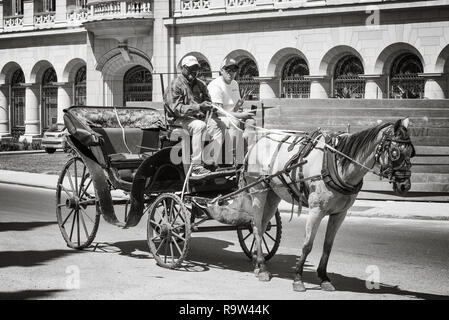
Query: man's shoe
199	171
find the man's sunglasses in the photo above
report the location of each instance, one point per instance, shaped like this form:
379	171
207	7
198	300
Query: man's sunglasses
232	69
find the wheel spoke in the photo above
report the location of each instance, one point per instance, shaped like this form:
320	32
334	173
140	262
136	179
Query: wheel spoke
84	225
73	225
83	180
78	227
177	247
87	215
247	236
266	245
171	252
166	252
85	190
66	191
76	177
160	245
178	236
69	175
252	245
65	220
269	235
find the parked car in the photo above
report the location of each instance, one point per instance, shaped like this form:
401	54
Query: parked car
55	138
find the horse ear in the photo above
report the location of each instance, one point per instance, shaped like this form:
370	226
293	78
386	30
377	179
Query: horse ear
397	125
406	122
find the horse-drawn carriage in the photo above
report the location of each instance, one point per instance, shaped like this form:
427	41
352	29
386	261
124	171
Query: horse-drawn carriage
122	157
132	151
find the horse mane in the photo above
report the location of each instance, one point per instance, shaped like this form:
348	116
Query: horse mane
356	143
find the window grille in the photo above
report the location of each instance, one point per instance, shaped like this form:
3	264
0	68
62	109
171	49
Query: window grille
404	80
18	100
249	87
293	84
80	87
346	81
138	85
49	99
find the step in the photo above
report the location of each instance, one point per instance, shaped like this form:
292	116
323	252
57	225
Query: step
418	178
365	112
416	187
356	103
431	197
293	120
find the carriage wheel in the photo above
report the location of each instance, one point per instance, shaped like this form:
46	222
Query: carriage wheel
168	230
270	240
77	208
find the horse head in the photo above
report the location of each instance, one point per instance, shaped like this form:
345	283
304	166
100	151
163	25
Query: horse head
394	154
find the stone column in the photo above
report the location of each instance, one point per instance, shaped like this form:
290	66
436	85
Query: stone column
1	16
162	58
65	93
61	12
373	86
4	111
433	88
32	111
266	89
28	13
319	86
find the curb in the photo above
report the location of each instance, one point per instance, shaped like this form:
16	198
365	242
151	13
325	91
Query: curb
28	185
8	153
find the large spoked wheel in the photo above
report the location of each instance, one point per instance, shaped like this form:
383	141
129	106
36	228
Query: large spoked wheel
77	209
168	230
270	241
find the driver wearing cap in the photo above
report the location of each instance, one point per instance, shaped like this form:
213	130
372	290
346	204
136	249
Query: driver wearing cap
189	99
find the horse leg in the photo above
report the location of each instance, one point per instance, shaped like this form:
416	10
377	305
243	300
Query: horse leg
259	207
313	222
271	204
334	223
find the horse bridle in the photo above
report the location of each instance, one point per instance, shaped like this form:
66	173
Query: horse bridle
398	166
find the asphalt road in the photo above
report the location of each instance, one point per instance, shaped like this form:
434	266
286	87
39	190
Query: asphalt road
373	258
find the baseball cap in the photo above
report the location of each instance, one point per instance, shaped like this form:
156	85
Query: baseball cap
189	61
228	62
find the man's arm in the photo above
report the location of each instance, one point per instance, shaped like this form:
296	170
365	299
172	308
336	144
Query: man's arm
177	100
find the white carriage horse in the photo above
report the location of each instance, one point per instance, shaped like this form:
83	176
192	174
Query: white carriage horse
329	192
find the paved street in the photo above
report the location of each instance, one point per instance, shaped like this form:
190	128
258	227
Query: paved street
410	257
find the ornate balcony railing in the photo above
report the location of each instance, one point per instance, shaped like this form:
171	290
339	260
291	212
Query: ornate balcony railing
117	8
44	18
191	5
13	22
78	16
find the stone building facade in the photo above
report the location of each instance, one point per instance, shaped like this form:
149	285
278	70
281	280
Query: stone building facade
56	53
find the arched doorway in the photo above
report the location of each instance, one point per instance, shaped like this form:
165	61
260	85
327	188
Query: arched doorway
49	98
17	102
138	85
404	80
80	87
249	87
346	80
293	83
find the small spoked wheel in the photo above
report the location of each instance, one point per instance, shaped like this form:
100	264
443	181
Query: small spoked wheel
168	230
77	209
270	240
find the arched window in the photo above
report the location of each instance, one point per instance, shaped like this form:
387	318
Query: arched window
205	71
18	100
346	81
80	87
249	87
138	85
293	83
49	98
404	80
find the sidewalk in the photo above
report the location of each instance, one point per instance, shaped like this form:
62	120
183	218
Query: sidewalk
361	208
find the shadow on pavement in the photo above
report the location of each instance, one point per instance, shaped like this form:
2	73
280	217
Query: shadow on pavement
209	253
27	294
31	258
24	226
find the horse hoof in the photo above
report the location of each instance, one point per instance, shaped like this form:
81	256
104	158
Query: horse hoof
264	276
299	286
327	286
257	271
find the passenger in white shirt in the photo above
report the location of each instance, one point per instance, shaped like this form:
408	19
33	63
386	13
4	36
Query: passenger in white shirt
224	92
